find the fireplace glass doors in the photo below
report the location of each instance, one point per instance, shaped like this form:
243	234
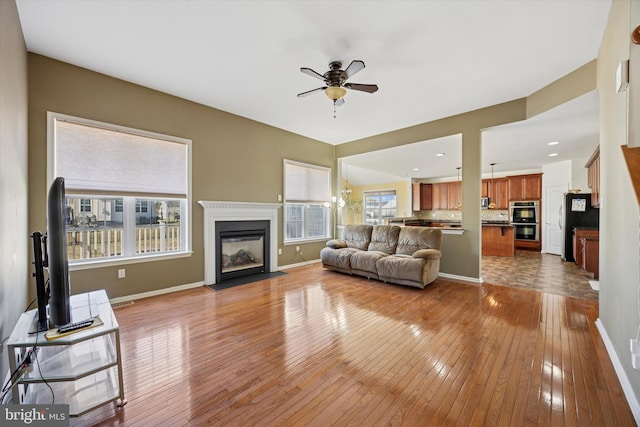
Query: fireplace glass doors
242	248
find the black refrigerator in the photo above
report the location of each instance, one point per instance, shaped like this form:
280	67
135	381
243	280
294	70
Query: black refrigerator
576	212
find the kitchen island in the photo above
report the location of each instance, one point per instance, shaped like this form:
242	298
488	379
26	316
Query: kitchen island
498	239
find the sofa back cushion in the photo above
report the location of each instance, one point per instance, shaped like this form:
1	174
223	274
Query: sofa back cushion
358	236
384	238
413	238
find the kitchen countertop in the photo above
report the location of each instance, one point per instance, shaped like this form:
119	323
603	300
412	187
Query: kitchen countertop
496	224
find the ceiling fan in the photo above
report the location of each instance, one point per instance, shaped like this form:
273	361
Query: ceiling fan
335	81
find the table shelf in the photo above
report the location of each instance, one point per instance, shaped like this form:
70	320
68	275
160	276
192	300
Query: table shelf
83	369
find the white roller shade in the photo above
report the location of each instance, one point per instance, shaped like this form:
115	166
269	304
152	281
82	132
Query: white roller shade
307	183
97	160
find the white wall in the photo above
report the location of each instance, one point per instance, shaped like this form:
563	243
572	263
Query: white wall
14	242
579	175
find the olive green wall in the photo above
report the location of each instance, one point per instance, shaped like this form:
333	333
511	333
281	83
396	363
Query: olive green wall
15	250
233	159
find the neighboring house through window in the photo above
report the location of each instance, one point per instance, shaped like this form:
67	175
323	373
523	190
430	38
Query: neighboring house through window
127	190
307	193
379	206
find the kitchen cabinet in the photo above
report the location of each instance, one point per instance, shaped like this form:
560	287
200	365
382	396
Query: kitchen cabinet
497	190
525	187
579	234
422	196
440	199
447	195
454	200
591	255
593	177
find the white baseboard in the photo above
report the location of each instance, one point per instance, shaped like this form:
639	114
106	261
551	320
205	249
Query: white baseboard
156	292
622	376
298	264
462	278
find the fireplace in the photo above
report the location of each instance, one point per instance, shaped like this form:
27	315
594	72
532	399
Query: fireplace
218	213
241	248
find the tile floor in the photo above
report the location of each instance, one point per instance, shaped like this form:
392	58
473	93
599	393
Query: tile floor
539	272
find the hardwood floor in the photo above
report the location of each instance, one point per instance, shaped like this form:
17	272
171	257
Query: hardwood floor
322	348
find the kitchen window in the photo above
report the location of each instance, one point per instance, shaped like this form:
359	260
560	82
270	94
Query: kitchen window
127	191
307	193
379	206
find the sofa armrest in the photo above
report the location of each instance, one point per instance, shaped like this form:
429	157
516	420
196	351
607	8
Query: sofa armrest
427	254
336	244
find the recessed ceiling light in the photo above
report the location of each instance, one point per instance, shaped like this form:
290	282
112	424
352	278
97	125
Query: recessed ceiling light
553	143
440	155
416	169
553	154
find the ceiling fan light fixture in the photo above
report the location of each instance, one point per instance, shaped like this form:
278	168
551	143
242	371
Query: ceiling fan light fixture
335	93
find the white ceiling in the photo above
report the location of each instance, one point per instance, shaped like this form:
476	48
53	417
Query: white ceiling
431	59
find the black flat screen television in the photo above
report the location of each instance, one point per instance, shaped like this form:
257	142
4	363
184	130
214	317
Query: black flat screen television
59	284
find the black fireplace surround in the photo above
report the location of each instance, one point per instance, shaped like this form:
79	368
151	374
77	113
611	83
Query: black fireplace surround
241	231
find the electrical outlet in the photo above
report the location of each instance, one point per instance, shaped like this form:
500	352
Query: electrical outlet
279	251
121	273
297	249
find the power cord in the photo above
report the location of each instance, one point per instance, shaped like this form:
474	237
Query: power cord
303	259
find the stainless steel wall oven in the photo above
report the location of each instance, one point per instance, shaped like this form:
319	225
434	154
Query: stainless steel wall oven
525	218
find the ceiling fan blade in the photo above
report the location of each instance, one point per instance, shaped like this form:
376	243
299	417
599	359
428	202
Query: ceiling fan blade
312	73
354	67
309	92
362	87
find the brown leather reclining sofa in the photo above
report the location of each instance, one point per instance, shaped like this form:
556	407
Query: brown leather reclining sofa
403	255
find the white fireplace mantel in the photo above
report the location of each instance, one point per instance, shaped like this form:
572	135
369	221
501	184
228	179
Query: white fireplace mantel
237	211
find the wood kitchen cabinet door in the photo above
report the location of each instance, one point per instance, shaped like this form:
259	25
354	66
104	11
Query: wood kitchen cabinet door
486	192
497	190
593	177
500	193
454	200
525	187
422	198
440	196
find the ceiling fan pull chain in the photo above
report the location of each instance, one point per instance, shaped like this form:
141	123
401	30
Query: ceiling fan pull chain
334	108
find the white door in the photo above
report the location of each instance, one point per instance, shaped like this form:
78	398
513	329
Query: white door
553	218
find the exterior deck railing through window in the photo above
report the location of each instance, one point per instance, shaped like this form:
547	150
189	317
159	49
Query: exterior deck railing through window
103	242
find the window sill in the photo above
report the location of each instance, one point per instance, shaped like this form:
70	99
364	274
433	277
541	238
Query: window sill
303	241
86	265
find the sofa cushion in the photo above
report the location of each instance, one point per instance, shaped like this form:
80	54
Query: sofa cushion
407	270
364	263
412	239
358	236
384	238
339	259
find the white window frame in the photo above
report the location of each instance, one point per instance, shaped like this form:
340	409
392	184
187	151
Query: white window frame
376	193
323	204
129	208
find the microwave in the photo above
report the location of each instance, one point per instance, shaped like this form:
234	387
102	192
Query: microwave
484	203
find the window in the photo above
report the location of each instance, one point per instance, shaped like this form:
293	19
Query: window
85	205
127	190
379	205
307	191
142	206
